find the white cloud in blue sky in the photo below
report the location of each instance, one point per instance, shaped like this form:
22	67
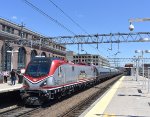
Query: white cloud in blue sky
14	17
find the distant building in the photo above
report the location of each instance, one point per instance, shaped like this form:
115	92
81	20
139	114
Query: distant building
69	55
130	70
87	58
146	67
128	65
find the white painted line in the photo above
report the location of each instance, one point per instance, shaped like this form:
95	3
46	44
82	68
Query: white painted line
100	106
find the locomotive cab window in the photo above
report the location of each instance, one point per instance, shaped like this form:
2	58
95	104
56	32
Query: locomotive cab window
59	71
38	67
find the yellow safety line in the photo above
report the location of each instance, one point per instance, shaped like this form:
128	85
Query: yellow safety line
108	115
100	107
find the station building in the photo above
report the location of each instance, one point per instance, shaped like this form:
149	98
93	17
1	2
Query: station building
17	56
146	70
87	58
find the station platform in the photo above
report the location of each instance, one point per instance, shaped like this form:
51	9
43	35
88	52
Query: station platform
128	97
7	87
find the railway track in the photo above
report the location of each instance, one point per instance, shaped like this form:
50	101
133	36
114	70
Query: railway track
76	110
19	112
62	108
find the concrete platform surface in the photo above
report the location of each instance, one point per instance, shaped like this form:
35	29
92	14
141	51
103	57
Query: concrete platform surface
126	98
7	87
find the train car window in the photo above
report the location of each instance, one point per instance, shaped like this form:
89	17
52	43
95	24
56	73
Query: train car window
94	70
59	71
72	68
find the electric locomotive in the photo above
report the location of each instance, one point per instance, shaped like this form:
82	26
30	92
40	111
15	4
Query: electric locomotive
49	78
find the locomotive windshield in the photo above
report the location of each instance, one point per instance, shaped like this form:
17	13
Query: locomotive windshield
38	67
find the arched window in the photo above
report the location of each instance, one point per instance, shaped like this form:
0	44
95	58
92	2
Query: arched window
6	57
33	54
43	54
21	58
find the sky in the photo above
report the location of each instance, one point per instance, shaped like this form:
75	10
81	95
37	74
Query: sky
94	16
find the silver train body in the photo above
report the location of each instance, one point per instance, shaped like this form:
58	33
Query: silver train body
48	78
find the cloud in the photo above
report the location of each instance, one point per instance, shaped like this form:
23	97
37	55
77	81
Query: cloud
14	17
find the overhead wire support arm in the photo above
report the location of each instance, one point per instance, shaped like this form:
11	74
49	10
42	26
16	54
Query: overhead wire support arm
99	38
113	60
110	42
138	19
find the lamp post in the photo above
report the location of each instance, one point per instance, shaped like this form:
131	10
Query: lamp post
136	59
12	53
131	27
148	78
137	70
143	51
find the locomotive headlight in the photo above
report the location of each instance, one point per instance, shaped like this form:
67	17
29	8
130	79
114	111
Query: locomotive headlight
44	83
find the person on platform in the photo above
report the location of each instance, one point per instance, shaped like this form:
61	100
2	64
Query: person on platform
5	74
20	77
13	77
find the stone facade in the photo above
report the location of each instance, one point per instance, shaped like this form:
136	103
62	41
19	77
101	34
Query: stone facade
8	29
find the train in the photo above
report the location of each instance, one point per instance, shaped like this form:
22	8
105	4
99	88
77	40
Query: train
48	78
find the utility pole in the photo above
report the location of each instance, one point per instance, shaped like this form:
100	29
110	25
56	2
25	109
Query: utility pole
40	46
136	69
12	53
4	56
21	32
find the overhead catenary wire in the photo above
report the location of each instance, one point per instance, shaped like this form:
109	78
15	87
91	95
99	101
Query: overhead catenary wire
49	17
54	20
68	16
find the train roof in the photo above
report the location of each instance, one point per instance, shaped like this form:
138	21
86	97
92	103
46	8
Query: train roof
45	59
106	67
